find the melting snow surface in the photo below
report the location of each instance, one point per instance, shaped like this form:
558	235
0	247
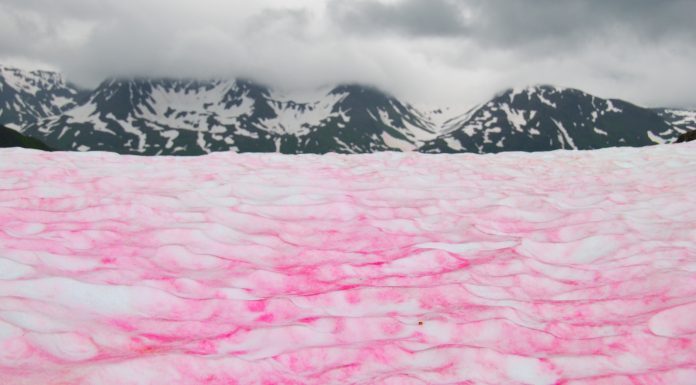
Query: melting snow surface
551	268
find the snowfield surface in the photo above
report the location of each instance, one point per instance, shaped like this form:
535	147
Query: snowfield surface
549	268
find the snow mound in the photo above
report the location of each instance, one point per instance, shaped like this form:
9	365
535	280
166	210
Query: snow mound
391	268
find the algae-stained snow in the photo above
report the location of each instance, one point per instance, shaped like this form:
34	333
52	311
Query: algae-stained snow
548	268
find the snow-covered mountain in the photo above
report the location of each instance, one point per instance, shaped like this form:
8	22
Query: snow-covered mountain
546	118
190	117
26	96
166	116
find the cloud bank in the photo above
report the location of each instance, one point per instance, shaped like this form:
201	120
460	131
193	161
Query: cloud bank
430	52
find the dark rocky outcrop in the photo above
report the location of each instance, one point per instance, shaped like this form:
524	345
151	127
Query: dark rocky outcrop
687	137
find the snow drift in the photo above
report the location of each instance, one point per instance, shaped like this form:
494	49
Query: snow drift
547	268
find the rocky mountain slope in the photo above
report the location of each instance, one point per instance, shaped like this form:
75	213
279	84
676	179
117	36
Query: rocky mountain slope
27	96
681	121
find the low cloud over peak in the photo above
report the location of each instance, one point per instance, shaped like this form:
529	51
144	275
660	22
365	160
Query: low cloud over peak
455	52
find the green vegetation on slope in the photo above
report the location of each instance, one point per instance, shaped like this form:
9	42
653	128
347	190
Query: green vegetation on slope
12	138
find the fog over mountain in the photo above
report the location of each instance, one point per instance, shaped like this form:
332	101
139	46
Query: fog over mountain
431	52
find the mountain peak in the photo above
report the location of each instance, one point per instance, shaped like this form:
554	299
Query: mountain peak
26	96
544	117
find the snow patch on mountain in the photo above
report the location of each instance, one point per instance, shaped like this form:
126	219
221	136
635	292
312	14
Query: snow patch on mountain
28	82
437	118
601	132
680	120
611	107
567	139
26	96
458	121
298	118
543	99
515	117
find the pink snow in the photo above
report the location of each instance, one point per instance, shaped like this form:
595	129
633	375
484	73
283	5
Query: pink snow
402	269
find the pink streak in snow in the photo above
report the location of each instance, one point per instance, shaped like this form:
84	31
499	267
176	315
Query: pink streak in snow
554	268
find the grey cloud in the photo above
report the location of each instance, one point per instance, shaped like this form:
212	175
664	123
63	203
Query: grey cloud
62	8
575	22
271	19
411	17
452	52
515	23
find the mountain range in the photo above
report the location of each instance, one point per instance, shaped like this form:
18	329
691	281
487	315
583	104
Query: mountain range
148	116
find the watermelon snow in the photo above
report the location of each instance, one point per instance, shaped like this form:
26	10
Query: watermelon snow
563	267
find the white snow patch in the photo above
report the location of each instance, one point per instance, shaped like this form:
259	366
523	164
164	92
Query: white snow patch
61	101
129	128
655	139
455	123
453	143
516	91
13	126
666	132
567	137
200	141
601	132
19	80
685	118
170	135
296	119
543	99
401	144
611	107
516	118
302	96
81	113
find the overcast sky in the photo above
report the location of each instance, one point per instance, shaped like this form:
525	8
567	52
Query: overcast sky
429	52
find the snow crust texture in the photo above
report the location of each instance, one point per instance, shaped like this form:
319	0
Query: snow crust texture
550	268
